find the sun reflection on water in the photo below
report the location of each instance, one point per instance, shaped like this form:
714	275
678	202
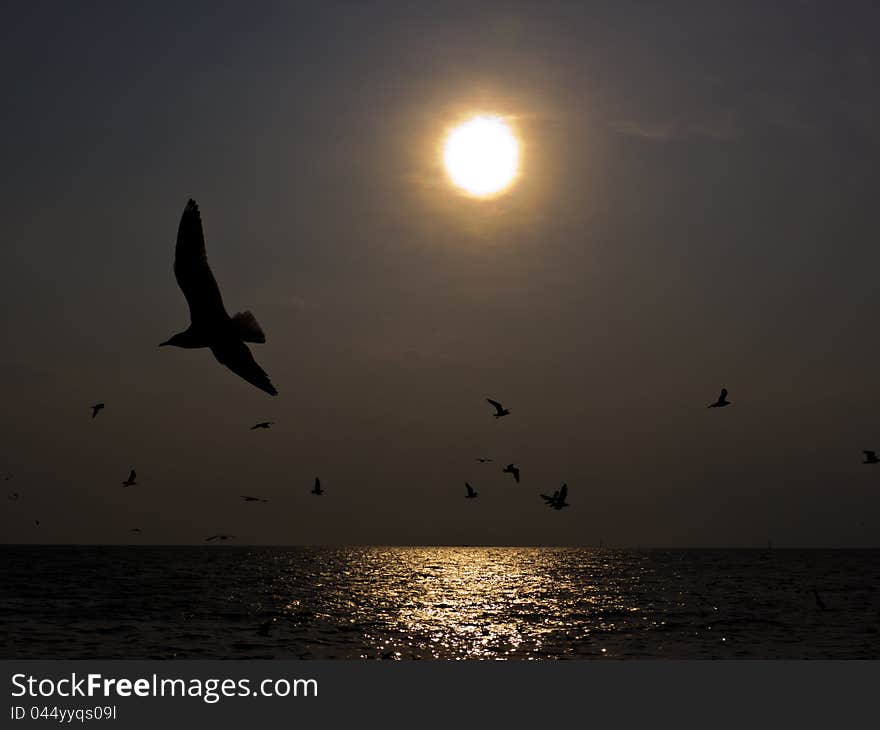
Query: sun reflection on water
484	603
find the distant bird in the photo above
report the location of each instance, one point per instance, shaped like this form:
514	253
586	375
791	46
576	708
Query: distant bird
136	529
262	424
130	482
97	408
7	477
870	457
14	497
253	499
37	523
484	461
317	488
557	501
219	537
210	324
819	602
471	494
722	400
500	410
511	469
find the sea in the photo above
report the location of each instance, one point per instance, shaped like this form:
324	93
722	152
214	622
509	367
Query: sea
416	603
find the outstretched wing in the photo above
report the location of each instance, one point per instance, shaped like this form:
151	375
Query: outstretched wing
470	489
235	355
495	404
563	492
516	474
723	394
192	271
869	454
132	476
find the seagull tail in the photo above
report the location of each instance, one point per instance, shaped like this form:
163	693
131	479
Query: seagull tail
248	328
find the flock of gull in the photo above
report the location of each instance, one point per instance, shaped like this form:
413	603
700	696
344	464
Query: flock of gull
212	327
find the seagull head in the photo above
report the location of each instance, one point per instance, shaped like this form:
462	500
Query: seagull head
177	341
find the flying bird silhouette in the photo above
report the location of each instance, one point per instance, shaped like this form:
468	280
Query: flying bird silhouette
471	494
14	497
130	482
36	523
210	324
262	424
484	461
557	501
253	499
219	537
511	469
136	529
500	410
722	400
819	602
317	488
96	409
870	457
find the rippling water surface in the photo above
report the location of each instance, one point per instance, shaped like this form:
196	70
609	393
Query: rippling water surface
436	603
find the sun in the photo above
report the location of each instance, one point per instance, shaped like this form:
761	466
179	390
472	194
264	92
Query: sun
481	156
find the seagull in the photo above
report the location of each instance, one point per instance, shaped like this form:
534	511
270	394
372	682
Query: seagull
253	499
37	523
500	410
96	408
870	457
557	501
511	469
484	461
210	325
136	529
471	494
130	482
317	488
14	497
722	400
262	424
219	537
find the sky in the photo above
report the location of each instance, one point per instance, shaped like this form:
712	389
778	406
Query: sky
695	209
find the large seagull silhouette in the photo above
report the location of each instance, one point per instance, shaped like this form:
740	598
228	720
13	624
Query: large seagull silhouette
210	325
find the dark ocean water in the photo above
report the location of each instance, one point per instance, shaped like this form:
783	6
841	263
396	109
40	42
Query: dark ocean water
437	602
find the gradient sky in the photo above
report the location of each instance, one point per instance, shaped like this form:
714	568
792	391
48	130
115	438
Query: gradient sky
697	208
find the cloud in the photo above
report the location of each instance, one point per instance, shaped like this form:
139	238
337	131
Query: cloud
659	131
720	126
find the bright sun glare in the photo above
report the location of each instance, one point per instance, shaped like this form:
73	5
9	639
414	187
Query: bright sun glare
481	156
